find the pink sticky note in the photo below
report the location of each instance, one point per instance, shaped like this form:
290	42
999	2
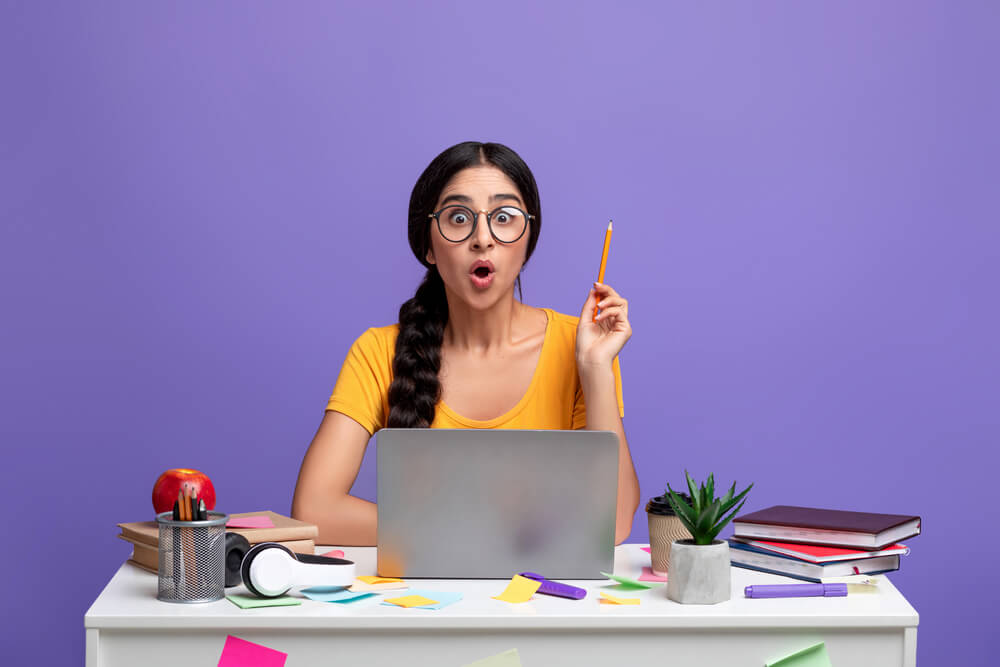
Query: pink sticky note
649	575
646	549
241	653
259	521
336	553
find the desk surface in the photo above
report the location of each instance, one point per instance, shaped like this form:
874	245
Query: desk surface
129	601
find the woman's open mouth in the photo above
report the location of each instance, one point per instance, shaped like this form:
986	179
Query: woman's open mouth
481	274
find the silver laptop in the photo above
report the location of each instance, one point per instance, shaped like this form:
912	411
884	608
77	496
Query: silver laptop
489	503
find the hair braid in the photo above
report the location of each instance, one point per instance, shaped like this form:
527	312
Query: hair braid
415	387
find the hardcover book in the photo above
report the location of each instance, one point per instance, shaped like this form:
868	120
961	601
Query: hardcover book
853	530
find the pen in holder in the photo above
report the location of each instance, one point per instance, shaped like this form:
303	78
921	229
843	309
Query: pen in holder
192	558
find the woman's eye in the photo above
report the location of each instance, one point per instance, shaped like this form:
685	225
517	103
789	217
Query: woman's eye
502	218
459	219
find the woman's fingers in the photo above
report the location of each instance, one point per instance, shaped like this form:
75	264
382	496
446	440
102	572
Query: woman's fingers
612	301
615	311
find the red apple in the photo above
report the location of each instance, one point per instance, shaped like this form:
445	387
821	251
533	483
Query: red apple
175	480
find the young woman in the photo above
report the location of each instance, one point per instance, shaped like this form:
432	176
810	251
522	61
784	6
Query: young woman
466	353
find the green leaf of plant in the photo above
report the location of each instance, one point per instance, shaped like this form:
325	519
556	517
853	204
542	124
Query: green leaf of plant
683	511
706	522
710	488
695	499
722	524
729	494
726	506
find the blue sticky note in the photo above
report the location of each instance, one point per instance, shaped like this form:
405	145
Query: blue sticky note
443	599
334	594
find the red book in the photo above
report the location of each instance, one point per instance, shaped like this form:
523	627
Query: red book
814	553
835	528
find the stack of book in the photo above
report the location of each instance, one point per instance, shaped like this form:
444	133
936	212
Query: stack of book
815	544
299	536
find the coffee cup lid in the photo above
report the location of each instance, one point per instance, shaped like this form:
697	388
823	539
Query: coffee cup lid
660	505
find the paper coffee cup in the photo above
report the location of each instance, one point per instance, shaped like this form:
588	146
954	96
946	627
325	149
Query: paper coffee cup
664	528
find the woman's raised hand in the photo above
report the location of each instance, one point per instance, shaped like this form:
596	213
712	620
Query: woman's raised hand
599	342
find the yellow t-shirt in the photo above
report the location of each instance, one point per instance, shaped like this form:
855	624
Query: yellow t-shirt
554	399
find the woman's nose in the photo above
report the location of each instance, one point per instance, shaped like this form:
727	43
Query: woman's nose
481	237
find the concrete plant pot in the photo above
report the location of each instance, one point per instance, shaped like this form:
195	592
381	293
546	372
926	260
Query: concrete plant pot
699	573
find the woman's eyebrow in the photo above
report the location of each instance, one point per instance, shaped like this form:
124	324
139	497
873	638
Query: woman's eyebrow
468	200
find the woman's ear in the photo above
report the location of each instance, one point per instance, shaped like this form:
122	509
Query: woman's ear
430	256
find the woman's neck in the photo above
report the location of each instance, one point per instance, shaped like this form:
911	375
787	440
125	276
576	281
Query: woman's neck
497	328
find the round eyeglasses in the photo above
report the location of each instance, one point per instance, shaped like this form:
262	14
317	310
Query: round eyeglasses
457	223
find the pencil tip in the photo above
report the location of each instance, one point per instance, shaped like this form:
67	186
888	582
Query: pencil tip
609	224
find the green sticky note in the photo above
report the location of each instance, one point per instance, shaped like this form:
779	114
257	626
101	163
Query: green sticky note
814	656
506	659
631	583
247	602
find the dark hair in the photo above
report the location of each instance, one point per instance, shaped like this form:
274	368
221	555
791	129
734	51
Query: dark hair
415	387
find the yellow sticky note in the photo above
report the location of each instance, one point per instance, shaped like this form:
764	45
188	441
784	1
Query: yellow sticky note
371	579
520	589
611	599
412	601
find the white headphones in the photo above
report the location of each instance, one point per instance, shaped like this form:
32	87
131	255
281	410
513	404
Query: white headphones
270	569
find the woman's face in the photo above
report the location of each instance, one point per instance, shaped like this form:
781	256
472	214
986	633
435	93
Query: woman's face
461	264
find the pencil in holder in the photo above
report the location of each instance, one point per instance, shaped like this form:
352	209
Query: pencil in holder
192	558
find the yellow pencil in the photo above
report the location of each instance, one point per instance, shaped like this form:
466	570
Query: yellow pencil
604	259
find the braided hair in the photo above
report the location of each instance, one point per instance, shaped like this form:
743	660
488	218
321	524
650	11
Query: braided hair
415	388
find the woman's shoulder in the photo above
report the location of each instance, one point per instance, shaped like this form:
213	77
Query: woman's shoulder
562	320
563	326
378	338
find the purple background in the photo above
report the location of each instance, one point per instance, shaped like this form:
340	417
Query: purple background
203	206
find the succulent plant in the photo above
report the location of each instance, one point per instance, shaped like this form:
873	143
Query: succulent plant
704	516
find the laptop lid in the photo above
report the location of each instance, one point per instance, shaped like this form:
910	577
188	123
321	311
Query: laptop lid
489	503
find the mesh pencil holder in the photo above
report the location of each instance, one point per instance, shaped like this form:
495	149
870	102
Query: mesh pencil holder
192	558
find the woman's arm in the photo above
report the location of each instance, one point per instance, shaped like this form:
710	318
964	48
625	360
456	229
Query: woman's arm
598	341
328	472
602	415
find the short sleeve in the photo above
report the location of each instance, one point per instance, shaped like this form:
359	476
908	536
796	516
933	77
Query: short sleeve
362	389
579	406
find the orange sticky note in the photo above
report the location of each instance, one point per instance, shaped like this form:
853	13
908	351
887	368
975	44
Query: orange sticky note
520	589
412	601
371	579
360	586
611	599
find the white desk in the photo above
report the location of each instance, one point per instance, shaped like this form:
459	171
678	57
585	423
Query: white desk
127	625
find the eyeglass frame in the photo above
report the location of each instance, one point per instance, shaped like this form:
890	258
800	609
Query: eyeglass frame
475	221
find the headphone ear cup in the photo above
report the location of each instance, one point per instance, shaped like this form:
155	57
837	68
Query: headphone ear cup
237	547
275	580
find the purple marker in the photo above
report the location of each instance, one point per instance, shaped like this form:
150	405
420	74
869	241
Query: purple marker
796	590
550	587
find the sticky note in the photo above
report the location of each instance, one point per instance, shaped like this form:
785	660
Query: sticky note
259	521
359	586
248	602
629	583
506	659
611	599
370	579
647	550
813	656
333	594
336	553
520	589
649	575
412	601
441	598
240	653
